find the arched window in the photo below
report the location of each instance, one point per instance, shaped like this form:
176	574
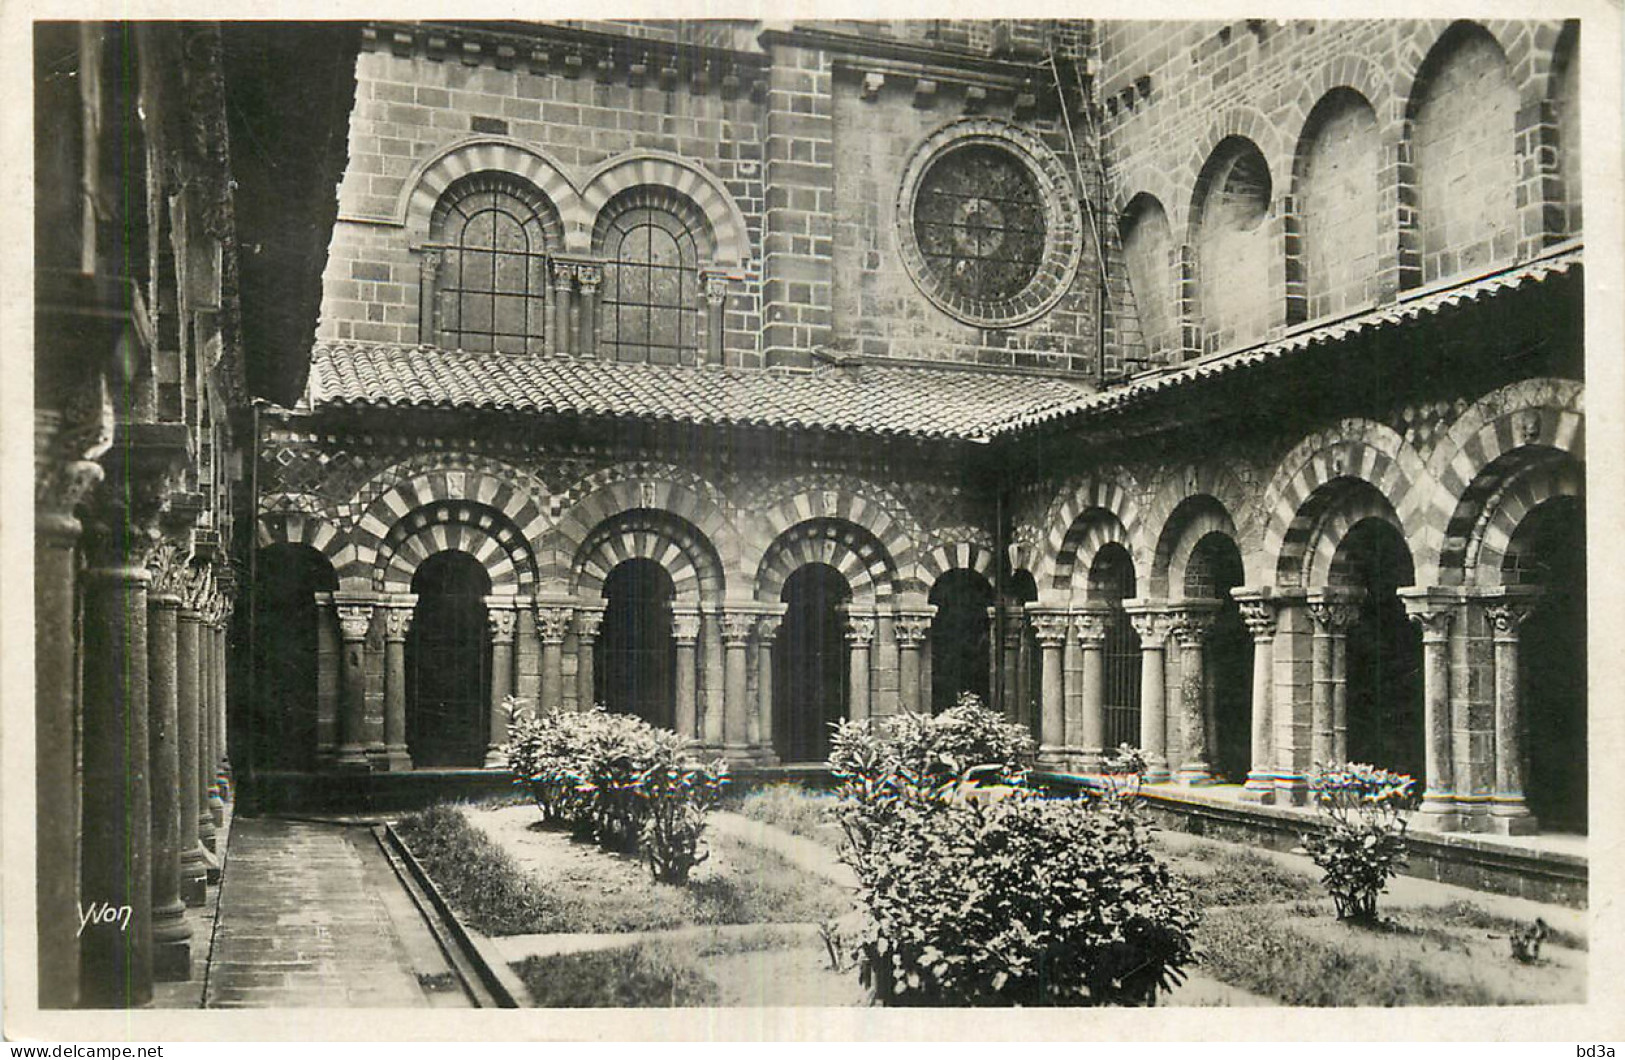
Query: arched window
652	241
491	287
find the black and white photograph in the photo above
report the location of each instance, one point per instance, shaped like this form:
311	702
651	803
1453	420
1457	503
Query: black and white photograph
779	524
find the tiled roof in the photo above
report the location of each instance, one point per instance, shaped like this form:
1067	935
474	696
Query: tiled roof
1425	305
869	399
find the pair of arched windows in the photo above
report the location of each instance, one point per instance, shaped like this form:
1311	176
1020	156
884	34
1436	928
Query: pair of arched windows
498	285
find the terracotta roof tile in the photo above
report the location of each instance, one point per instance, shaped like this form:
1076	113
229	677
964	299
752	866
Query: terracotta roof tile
868	399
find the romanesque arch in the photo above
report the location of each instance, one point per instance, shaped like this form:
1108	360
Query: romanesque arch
1148	250
846	500
429	180
956	555
303	528
1115	495
1420	39
1209	494
851	549
509	496
1338	205
731	240
1234	296
1299	493
455	527
673	543
595	501
1235	123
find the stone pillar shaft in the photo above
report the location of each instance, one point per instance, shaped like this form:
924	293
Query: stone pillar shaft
194	860
171	935
116	867
1433	610
712	706
1191	626
767	632
685	632
588	622
397	623
1509	812
1091	630
1051	630
1259	615
1152	624
736	631
860	635
354	619
504	621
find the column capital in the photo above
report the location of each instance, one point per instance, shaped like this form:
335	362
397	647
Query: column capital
589	620
1508	607
553	621
767	627
1334	608
1431	608
716	285
911	627
1192	619
860	629
1050	626
1089	623
1152	620
355	613
169	565
397	619
737	627
685	625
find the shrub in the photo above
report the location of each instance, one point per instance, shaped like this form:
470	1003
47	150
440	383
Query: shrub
1017	901
1363	842
977	896
618	780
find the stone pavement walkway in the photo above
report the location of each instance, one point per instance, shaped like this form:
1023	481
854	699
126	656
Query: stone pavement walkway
311	915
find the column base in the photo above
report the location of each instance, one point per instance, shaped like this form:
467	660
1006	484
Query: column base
496	758
194	876
1509	816
1436	814
217	811
351	758
1260	789
1291	790
205	830
1090	761
171	944
1052	758
1196	775
395	760
1156	769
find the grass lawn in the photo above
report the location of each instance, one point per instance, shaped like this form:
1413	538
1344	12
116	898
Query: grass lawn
1267	927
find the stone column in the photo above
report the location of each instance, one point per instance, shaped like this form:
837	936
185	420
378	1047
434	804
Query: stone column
1259	615
1191	624
589	277
553	622
588	622
860	636
685	631
171	934
116	866
329	682
1509	813
203	601
355	618
194	859
912	629
1090	625
716	300
1153	625
504	620
397	623
1011	633
1051	629
737	627
214	636
56	724
767	632
1432	610
711	678
222	678
1072	695
563	294
1333	611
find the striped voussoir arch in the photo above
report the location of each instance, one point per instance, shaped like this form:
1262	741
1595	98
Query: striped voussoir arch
958	555
425	186
456	526
678	546
840	505
687	178
526	518
1326	563
1495	439
1184	530
1311	477
1060	550
302	528
1489	551
861	559
694	505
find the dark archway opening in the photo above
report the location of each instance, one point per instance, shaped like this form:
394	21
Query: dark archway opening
961	654
1549	551
1111	581
448	664
810	664
282	729
636	667
1214	569
1384	654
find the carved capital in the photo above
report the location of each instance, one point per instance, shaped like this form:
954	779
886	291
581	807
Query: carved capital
737	627
911	628
354	620
1090	628
169	564
1333	616
590	277
685	626
68	442
1259	615
397	623
716	288
588	622
552	622
767	627
1190	625
1153	627
1051	628
860	630
1431	609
